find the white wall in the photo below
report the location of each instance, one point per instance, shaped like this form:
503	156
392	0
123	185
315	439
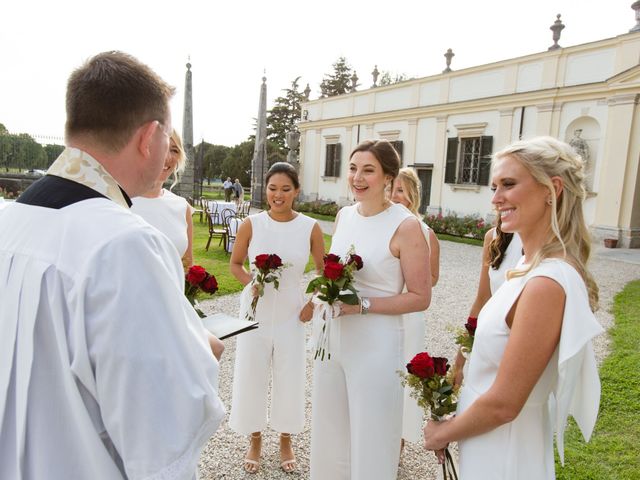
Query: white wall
590	67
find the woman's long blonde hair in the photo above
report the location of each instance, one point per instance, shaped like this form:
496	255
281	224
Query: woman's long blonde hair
544	158
182	158
411	189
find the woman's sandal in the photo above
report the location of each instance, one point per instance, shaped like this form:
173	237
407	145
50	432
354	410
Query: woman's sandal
288	466
250	465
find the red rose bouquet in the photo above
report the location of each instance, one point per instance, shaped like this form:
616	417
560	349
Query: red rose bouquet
431	385
196	279
335	283
466	337
269	269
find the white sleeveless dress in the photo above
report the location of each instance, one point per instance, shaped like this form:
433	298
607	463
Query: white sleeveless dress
523	449
167	213
276	349
357	394
415	329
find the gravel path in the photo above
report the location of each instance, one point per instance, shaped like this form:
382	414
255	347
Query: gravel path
452	297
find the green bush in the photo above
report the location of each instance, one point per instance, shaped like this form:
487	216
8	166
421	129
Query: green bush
318	206
469	226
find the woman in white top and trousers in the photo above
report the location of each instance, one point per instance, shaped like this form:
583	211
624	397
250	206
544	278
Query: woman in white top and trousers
276	349
406	191
357	393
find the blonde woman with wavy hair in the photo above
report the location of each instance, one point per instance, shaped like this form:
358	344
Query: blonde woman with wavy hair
166	211
532	364
406	191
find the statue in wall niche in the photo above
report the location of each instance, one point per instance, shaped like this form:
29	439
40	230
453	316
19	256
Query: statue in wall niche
581	147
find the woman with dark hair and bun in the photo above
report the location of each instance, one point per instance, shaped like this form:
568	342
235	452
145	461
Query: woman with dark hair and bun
356	423
276	349
500	253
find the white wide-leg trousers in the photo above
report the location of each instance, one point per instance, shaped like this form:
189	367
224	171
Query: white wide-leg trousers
276	351
357	401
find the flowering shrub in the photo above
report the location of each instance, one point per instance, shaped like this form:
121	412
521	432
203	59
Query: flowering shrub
468	226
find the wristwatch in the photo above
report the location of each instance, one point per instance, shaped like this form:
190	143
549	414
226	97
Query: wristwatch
365	305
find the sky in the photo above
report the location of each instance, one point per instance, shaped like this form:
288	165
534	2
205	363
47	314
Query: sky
232	43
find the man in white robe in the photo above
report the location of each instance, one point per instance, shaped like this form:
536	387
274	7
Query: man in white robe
105	369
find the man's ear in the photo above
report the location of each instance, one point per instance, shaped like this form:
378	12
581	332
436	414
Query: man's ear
145	135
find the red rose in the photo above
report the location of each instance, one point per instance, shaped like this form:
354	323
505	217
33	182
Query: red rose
471	325
333	270
440	365
210	284
196	274
331	258
262	261
357	259
421	365
274	262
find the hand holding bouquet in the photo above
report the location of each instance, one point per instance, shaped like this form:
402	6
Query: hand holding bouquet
196	279
335	283
432	386
466	337
269	269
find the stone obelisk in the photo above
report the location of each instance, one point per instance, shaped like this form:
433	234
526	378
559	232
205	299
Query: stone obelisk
188	187
259	165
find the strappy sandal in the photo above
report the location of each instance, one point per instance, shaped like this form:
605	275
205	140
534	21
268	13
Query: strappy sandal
288	466
250	465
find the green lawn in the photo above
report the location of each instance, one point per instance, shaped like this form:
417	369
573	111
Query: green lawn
614	450
216	261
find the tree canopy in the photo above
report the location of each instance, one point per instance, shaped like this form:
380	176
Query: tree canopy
282	118
339	81
22	152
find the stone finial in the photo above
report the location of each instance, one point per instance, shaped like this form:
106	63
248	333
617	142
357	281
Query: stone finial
375	74
556	28
354	81
307	92
636	6
448	55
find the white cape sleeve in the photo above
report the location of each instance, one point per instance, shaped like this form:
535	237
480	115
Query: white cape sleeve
577	390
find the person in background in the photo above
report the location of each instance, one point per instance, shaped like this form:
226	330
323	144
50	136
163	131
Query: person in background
356	424
276	349
406	191
532	362
228	189
500	253
239	193
105	369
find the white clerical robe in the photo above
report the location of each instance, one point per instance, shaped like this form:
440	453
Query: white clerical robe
105	370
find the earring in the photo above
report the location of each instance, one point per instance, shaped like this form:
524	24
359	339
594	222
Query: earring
549	202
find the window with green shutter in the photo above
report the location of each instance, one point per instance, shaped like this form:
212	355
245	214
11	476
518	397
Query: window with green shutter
468	160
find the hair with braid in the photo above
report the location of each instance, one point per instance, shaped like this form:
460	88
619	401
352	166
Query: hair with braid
498	246
545	158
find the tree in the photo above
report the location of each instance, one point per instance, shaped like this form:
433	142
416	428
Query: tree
237	164
339	82
52	151
282	118
212	158
388	78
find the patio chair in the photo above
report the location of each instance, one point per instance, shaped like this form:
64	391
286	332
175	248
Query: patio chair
215	230
232	224
196	207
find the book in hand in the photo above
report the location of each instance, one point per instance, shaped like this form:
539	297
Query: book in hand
225	326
